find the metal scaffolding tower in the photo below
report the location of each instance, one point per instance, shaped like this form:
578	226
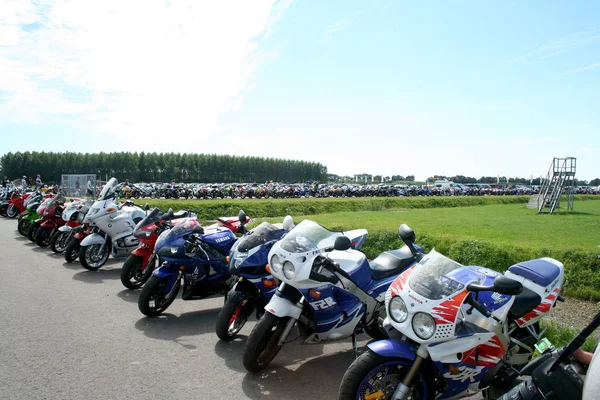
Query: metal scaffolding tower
559	180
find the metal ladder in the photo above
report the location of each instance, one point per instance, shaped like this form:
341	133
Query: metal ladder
559	180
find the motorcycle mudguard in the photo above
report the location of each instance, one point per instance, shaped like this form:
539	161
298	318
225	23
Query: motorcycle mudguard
65	228
94	238
48	224
282	307
165	271
393	348
143	252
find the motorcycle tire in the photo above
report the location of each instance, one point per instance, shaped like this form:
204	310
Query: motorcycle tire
133	273
3	209
372	364
153	291
43	236
58	241
262	345
72	251
23	226
234	315
32	230
12	211
87	262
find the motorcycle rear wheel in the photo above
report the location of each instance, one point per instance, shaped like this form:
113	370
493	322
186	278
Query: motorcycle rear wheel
3	209
152	301
234	315
43	236
133	273
87	252
58	241
72	251
262	345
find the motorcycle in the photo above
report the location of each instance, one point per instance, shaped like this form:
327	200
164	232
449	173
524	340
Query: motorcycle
77	235
61	238
50	221
112	231
142	261
31	204
191	254
16	205
255	286
34	216
327	288
454	330
7	200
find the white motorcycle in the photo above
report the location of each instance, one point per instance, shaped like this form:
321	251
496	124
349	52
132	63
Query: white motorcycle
73	215
113	226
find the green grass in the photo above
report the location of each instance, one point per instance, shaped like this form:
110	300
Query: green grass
560	335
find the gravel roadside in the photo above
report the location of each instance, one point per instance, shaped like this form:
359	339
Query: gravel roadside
575	313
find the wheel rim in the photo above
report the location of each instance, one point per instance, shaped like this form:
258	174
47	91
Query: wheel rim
381	382
237	320
139	275
96	255
272	347
158	301
46	237
11	211
61	243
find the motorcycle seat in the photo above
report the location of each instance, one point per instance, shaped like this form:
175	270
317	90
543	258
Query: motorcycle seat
390	263
539	271
181	214
526	301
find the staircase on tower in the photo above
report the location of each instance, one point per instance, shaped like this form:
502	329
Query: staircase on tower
559	181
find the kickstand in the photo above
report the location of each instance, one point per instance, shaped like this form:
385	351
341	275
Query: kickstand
354	345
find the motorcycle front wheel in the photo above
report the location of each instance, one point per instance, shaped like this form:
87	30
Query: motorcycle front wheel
93	257
134	274
263	342
42	236
153	299
12	211
59	241
372	376
23	226
32	230
234	314
72	251
3	210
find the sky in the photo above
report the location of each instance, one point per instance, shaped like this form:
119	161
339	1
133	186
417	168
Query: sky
420	88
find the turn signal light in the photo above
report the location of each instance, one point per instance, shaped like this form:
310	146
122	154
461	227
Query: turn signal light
182	268
111	210
315	294
269	283
227	259
453	370
268	268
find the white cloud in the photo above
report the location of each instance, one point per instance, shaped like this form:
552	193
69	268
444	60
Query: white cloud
337	26
563	45
586	68
138	67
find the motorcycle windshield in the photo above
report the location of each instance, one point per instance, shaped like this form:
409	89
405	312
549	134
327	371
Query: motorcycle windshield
437	276
153	217
260	235
58	199
109	189
184	226
308	236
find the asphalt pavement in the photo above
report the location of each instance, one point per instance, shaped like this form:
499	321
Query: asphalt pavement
69	333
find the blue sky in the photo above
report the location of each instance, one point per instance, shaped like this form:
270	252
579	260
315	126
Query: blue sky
397	87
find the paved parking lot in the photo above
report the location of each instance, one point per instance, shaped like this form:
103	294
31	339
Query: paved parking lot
68	333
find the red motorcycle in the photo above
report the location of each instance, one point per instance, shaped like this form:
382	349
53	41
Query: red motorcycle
138	267
51	219
14	206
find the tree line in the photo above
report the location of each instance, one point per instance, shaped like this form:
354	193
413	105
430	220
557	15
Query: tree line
160	167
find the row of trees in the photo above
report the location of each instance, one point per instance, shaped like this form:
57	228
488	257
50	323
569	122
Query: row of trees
160	167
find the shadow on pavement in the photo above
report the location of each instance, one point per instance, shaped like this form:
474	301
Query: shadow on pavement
318	378
131	296
174	327
75	265
39	249
98	276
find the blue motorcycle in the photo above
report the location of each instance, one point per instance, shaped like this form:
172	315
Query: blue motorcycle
193	255
255	285
327	288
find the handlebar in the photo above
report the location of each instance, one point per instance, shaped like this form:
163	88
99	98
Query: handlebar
477	305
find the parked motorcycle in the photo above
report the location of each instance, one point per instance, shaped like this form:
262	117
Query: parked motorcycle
35	216
112	231
255	286
327	288
51	219
25	218
138	267
454	330
61	238
17	205
194	255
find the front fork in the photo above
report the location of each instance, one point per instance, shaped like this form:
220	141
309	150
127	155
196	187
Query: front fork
404	387
170	293
290	325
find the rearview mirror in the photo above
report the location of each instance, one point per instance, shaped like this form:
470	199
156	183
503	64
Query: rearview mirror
198	229
504	285
406	233
288	223
242	217
170	214
146	206
342	243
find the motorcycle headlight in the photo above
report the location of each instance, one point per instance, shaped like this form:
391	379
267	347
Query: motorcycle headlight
276	264
142	234
424	325
168	251
397	310
289	271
